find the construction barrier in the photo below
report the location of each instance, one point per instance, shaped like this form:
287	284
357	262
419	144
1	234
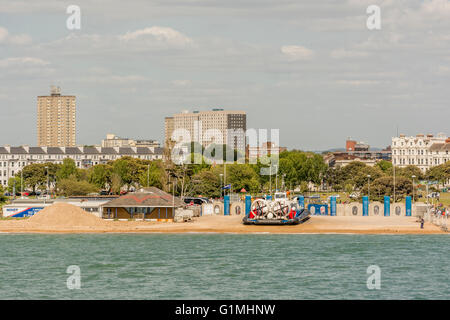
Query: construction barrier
237	208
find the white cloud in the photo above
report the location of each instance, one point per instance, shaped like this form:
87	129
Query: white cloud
181	83
437	7
343	54
19	39
162	34
108	78
297	52
357	82
23	61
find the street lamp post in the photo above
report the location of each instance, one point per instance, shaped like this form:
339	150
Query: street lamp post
48	182
21	183
368	187
276	178
221	186
224	176
270	179
413	177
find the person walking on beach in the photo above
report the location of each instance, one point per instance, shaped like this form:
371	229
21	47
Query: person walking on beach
422	221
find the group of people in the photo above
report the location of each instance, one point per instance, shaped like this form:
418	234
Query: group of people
439	210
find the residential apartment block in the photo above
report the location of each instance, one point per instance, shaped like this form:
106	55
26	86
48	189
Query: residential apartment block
13	159
56	123
112	141
423	151
218	126
266	149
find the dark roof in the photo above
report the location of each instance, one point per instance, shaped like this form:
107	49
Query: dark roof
90	150
159	151
3	150
146	197
108	151
436	146
18	150
36	150
126	150
142	150
73	150
54	150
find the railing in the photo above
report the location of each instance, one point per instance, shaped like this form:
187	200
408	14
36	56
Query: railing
439	220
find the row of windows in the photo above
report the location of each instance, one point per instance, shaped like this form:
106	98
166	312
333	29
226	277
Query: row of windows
412	161
416	152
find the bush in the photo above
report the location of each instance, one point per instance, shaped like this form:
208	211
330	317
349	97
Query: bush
384	186
72	187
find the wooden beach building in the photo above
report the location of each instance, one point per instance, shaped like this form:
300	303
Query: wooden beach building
147	203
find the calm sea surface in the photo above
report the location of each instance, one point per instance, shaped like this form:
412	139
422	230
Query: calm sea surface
217	266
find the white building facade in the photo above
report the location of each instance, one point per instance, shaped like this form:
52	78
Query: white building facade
423	151
112	141
13	159
217	126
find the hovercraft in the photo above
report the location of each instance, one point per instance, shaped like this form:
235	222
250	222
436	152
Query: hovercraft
278	212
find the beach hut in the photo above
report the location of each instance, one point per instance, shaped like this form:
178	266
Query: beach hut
147	203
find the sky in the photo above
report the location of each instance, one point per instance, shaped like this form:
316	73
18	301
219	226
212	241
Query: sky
310	68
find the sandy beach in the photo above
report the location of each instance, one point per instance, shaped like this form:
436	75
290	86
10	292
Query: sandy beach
69	219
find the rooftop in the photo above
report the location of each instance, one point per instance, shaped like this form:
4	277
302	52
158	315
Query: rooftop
146	197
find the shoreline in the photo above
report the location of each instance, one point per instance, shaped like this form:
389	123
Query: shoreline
233	225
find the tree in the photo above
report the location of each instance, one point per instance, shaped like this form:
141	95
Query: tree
304	187
3	198
384	165
35	175
206	183
242	176
72	187
152	176
67	169
14	182
116	183
100	175
121	167
355	173
439	173
385	186
409	171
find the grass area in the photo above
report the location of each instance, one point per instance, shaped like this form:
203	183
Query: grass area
444	199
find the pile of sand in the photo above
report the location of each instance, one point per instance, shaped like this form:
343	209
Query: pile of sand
64	215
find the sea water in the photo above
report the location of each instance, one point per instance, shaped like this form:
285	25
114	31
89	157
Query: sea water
224	266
